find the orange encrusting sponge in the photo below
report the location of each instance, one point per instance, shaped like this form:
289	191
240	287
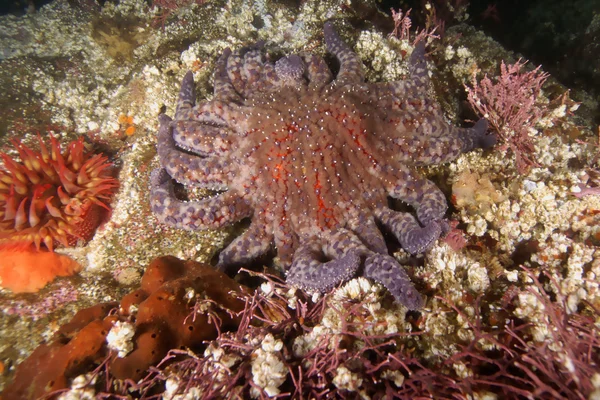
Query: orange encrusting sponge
29	270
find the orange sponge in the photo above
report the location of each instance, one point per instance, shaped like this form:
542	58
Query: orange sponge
29	270
166	318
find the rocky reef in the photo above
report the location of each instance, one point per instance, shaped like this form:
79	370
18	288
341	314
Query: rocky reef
511	295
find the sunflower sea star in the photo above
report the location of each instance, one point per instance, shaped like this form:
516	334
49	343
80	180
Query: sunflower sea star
311	160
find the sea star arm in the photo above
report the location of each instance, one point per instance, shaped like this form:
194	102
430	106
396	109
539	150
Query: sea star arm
286	240
251	244
424	137
412	237
185	168
187	97
368	232
318	72
233	67
244	68
351	70
202	139
221	111
451	141
436	141
419	74
213	212
224	90
422	194
385	270
476	137
309	272
252	71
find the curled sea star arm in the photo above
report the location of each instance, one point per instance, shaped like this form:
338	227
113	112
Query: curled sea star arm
251	244
351	70
310	272
185	168
213	212
412	237
383	269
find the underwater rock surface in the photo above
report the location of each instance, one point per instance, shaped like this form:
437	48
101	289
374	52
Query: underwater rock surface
528	262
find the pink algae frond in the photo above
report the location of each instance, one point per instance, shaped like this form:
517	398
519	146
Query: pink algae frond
510	104
403	24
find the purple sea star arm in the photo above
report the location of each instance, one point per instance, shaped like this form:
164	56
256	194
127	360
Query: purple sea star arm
351	70
234	66
439	142
419	74
412	237
412	88
318	72
343	248
252	71
368	232
185	168
341	242
202	139
187	97
214	212
251	244
423	135
476	137
384	269
422	194
224	90
310	273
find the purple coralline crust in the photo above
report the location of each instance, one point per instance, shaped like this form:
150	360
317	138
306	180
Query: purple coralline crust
311	159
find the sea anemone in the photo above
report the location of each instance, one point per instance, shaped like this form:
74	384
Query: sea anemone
52	196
